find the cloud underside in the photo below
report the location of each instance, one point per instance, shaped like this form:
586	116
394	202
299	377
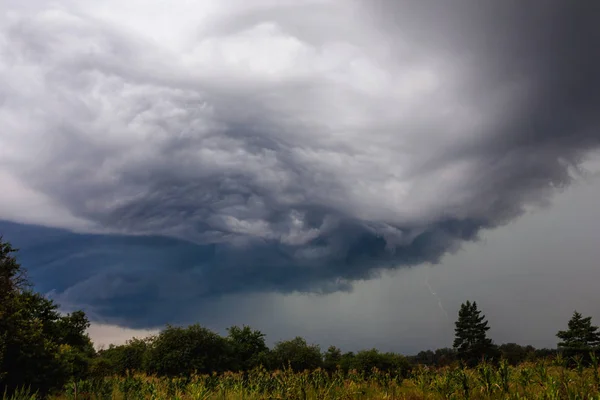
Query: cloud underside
279	146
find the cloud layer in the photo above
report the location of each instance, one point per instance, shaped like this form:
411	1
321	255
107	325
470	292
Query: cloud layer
280	146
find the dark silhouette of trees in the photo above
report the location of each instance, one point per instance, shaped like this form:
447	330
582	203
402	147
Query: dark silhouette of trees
248	347
332	359
296	354
516	354
471	341
367	360
124	359
440	357
182	351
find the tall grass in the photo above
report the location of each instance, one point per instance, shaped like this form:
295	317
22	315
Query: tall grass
542	380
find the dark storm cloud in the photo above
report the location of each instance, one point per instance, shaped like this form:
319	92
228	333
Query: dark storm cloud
547	57
307	165
146	281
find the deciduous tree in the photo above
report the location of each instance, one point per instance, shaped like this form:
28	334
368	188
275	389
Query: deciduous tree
248	346
182	351
297	354
39	347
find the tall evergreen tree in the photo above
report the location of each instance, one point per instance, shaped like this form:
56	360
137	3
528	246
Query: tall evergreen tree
581	337
471	341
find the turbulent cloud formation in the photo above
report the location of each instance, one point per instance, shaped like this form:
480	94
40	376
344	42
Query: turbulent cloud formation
231	147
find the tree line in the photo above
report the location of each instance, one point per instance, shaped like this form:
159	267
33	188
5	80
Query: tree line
42	349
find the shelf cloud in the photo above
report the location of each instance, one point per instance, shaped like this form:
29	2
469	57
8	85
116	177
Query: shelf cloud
154	156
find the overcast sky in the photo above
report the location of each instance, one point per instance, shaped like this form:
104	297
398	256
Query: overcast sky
349	171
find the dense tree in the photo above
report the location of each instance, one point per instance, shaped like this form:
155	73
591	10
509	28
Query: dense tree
440	357
445	356
12	276
581	337
124	359
516	354
347	361
332	359
12	282
182	351
39	347
366	361
543	353
248	346
471	341
297	354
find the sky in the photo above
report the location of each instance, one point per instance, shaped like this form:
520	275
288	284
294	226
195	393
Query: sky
349	171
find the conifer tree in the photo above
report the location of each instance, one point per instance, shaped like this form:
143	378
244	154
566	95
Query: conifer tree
581	337
471	341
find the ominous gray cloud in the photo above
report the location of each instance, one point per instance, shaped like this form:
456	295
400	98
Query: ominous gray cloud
283	146
528	277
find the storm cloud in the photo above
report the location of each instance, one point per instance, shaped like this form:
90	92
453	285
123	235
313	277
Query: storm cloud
176	155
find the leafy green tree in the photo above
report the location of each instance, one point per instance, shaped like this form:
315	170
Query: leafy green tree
182	351
581	337
12	282
471	341
542	354
248	347
445	356
29	357
347	361
515	354
297	354
440	357
45	349
120	360
366	361
39	347
12	277
332	358
425	357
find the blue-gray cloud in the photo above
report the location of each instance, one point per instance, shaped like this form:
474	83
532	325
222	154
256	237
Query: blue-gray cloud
267	150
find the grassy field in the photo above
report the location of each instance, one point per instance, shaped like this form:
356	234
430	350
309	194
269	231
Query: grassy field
543	380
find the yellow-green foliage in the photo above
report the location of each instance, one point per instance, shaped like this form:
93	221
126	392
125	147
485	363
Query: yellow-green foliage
541	380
